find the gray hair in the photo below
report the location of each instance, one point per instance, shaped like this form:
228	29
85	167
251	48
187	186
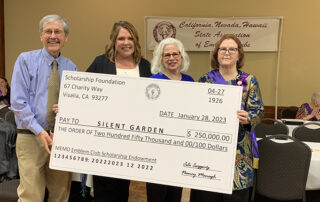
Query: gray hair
315	97
156	63
52	18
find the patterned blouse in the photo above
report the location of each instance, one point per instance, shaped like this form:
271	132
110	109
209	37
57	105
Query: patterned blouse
304	111
252	102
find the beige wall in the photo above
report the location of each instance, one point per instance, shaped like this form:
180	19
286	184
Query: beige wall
91	22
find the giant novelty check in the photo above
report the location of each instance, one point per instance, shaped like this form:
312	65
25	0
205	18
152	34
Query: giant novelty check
160	131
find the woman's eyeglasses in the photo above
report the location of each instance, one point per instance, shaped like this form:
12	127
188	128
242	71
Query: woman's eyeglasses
230	50
168	55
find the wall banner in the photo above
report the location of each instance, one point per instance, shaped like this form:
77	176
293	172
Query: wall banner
200	34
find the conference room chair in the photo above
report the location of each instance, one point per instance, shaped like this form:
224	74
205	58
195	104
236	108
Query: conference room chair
8	190
283	168
269	126
9	116
308	132
9	168
289	112
3	111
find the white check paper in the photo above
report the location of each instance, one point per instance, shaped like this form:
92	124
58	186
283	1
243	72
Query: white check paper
160	131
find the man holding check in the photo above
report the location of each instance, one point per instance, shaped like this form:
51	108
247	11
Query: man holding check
35	85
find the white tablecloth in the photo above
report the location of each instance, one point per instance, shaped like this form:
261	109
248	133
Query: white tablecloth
313	182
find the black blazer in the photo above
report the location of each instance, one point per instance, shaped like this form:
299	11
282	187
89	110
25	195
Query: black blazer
102	64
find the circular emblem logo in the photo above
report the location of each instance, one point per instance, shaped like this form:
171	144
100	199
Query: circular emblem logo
164	30
153	91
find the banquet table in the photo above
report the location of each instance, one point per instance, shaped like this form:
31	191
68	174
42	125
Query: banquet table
313	182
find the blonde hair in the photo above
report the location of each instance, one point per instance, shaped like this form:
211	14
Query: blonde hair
110	48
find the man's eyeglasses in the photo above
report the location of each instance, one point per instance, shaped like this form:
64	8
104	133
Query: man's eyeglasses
168	55
56	32
230	50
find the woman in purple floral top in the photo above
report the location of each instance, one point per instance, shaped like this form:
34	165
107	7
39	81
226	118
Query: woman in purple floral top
227	59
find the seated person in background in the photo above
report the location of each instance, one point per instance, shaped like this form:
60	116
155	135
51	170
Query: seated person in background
4	91
310	111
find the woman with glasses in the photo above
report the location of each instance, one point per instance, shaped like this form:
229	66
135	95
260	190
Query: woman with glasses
123	58
170	61
226	60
